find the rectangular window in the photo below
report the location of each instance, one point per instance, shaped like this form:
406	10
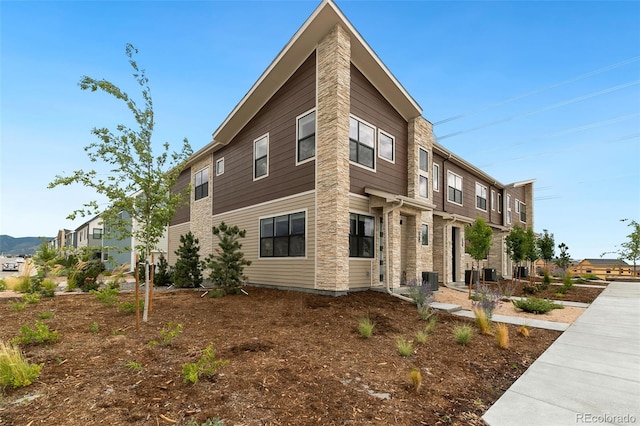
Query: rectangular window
361	239
423	165
97	233
523	212
508	209
202	183
386	146
424	235
493	200
499	203
455	188
361	143
283	236
424	160
306	136
517	204
261	157
436	177
481	197
220	166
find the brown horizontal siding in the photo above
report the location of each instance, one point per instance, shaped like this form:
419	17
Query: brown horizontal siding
235	188
518	194
368	104
183	213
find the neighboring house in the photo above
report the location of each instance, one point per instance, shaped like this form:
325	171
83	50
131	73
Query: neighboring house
604	268
330	167
89	234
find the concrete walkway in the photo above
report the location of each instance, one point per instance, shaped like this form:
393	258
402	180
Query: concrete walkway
589	375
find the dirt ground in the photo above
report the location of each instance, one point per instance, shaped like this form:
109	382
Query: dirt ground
294	358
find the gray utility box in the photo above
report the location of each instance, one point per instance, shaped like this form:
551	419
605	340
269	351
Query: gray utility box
467	276
522	272
490	274
431	278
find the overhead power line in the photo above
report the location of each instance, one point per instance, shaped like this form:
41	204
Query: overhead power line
547	108
535	92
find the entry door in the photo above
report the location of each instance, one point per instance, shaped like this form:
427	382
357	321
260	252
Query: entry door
455	232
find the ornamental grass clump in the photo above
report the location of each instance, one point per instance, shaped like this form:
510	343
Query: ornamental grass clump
523	330
15	371
404	346
415	377
462	333
482	321
365	327
502	336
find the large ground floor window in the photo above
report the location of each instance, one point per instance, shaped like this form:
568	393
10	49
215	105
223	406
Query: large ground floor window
283	236
361	236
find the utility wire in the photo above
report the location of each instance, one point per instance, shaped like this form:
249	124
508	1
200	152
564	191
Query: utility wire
534	92
550	107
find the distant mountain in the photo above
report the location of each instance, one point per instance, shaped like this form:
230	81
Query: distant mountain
23	245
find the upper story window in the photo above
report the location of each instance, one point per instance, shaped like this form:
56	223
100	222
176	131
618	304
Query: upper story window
493	200
261	157
97	233
455	188
423	172
283	236
361	143
361	231
386	146
508	209
306	136
523	212
436	177
481	197
202	183
220	166
499	202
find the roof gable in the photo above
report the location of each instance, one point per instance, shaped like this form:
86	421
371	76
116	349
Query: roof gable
304	41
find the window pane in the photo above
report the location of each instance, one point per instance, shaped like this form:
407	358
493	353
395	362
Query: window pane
424	160
369	226
306	148
353	129
307	125
353	150
296	245
365	156
366	248
367	135
205	175
425	235
386	147
436	177
220	166
266	247
198	179
424	182
266	227
282	225
261	148
261	167
297	223
353	246
353	224
281	246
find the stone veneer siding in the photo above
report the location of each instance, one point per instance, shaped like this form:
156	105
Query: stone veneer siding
332	161
420	136
201	210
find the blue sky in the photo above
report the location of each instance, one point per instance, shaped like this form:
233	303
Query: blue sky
546	90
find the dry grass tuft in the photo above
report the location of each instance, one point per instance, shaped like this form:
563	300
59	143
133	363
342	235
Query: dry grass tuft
416	379
523	330
502	336
483	322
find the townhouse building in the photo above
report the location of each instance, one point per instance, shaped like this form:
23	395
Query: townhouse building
329	166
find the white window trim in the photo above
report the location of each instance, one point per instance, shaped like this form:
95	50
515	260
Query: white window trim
436	177
375	146
520	203
266	135
509	216
517	204
208	186
316	133
393	151
220	161
422	172
493	200
499	202
478	184
306	233
461	190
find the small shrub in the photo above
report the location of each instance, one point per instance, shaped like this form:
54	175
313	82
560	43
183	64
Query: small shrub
130	307
16	306
208	422
529	289
590	277
3	285
48	288
523	330
207	365
462	333
506	288
216	293
134	366
421	336
486	299
94	328
404	346
483	323
39	334
536	305
24	284
108	296
415	377
45	315
170	332
31	298
365	327
15	371
502	336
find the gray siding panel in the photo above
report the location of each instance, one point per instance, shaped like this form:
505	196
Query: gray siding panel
235	188
183	213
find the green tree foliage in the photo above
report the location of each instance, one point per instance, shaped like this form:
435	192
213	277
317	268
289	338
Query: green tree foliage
478	236
630	249
530	250
45	258
516	245
134	170
188	269
546	247
228	262
162	276
563	260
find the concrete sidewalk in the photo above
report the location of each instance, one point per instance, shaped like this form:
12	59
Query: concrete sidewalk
589	375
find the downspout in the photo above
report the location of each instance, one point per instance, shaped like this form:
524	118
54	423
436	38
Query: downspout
386	247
